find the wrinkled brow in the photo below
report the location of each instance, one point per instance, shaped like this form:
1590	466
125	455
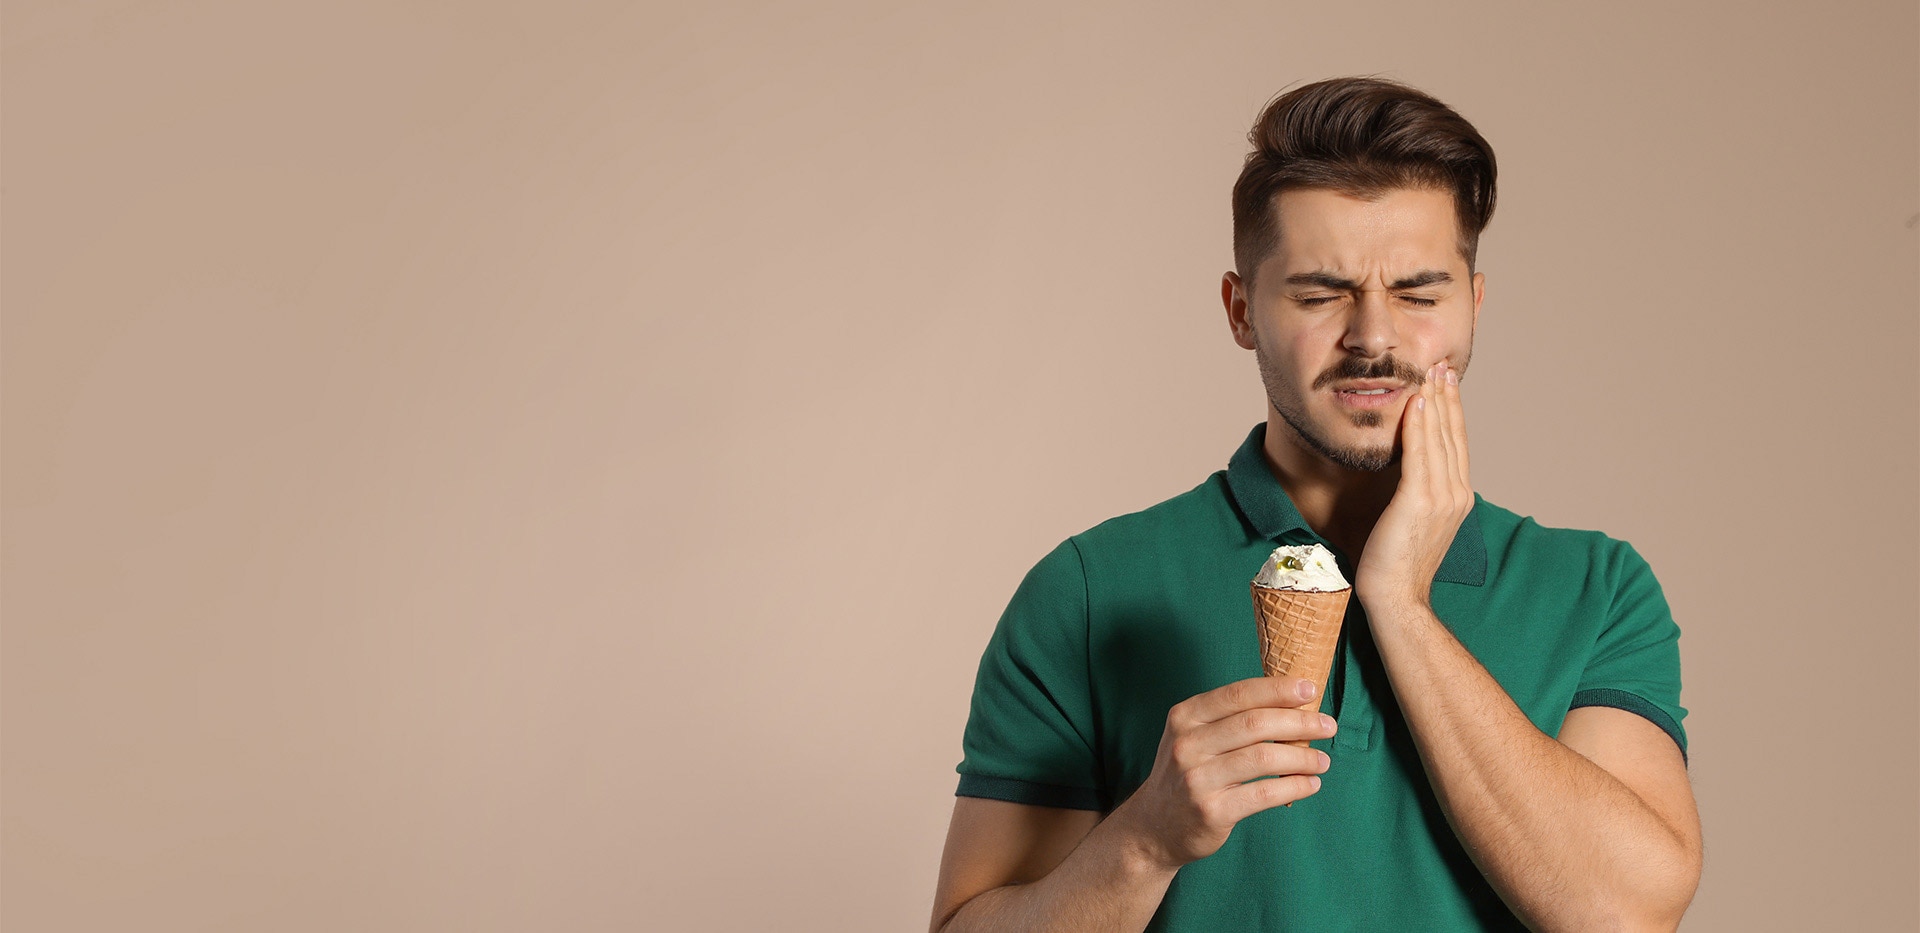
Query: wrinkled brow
1329	280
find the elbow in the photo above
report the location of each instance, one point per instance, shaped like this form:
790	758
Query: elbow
1663	897
1665	887
1682	881
1665	914
1648	920
1651	900
1648	916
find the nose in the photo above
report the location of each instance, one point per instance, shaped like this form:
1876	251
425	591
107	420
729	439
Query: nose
1371	326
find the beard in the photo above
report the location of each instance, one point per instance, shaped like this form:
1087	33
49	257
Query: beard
1370	458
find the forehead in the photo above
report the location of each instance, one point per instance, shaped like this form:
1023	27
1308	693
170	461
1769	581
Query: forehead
1403	228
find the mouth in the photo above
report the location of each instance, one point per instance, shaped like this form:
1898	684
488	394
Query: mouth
1369	395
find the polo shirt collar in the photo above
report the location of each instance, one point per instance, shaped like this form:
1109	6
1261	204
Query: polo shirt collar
1270	510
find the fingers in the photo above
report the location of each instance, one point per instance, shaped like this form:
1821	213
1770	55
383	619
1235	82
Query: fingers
1449	456
1457	417
1434	439
1257	776
1242	695
1255	727
1247	799
1216	764
1440	435
1435	460
1262	759
1417	433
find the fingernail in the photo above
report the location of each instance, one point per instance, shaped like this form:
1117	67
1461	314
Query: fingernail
1307	690
1453	378
1314	779
1325	762
1420	403
1326	722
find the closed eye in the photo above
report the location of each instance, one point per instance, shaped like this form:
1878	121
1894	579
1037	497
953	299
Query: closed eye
1314	302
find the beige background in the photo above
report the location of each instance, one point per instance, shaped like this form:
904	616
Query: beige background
479	467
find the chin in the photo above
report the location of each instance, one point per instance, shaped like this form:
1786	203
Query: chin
1369	459
1368	423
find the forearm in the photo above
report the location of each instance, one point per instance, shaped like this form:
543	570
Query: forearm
1107	884
1568	846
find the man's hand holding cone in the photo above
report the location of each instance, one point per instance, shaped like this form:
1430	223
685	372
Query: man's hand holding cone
1215	746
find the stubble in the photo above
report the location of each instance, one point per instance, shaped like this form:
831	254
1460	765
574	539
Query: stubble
1366	458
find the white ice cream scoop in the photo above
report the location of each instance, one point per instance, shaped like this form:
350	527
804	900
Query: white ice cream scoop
1308	567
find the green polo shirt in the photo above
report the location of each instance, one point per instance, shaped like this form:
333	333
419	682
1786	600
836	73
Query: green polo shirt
1119	623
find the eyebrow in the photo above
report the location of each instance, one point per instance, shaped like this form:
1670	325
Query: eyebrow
1329	280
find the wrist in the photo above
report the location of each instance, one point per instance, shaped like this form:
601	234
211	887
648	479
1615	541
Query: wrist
1140	853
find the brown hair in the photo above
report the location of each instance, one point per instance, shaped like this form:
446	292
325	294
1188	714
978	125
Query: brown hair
1360	136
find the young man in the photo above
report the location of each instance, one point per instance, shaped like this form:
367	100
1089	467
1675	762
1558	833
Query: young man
1499	745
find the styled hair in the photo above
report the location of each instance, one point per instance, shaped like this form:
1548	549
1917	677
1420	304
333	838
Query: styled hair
1363	137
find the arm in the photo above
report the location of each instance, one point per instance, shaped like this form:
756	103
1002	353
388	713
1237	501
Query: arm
1012	867
1594	831
1597	831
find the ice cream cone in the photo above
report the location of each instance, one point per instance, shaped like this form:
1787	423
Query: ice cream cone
1298	631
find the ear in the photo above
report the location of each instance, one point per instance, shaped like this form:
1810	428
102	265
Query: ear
1234	296
1479	293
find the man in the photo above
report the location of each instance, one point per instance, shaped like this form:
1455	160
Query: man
1499	745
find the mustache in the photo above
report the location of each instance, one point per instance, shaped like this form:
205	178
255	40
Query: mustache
1386	367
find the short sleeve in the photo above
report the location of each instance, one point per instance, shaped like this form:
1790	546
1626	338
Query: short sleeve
1635	666
1029	736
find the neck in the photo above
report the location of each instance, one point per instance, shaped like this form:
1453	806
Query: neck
1339	504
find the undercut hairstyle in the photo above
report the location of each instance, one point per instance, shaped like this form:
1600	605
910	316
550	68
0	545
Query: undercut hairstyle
1363	137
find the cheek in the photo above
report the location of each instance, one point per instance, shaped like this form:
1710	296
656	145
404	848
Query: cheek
1314	350
1441	341
1291	351
1460	349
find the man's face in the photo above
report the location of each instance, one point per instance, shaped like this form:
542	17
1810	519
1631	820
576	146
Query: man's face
1359	295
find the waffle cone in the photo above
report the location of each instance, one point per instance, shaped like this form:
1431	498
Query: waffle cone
1298	631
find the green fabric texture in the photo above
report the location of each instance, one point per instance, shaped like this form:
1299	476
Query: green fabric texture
1119	623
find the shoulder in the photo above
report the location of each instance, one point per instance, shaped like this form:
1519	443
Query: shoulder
1149	549
1574	562
1121	557
1143	535
1198	516
1524	539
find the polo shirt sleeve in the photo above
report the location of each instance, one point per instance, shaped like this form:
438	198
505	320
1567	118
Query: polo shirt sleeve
1029	736
1635	665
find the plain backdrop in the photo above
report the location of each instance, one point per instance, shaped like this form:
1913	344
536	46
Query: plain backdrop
483	466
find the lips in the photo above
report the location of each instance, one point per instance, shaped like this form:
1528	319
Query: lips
1346	393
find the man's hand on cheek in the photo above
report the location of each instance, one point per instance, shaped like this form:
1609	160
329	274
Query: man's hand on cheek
1412	536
